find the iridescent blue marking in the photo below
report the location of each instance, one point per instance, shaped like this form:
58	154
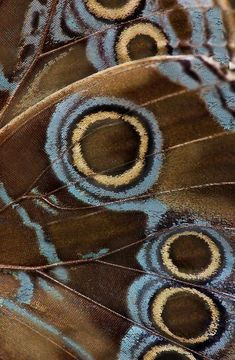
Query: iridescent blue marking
72	20
30	37
172	37
149	256
175	72
217	31
228	95
95	255
42	204
51	290
109	46
58	142
207	76
10	305
101	48
63	11
141	293
46	248
93	53
139	297
89	20
154	209
5	85
222	115
136	342
25	291
197	21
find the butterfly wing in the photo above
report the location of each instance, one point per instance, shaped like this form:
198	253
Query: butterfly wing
22	27
131	228
81	39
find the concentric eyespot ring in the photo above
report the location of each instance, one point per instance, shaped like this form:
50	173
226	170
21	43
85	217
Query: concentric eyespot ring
198	319
209	250
113	10
133	41
78	119
140	40
138	344
191	253
174	298
81	164
167	352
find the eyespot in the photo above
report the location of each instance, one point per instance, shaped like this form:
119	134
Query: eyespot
110	118
185	314
168	352
136	40
113	10
105	143
189	253
140	40
200	259
138	344
198	319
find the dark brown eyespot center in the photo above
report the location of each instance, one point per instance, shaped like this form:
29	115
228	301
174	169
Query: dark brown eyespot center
186	315
142	46
190	253
171	355
110	144
112	4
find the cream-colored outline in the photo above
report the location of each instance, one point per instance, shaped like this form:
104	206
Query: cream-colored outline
127	176
112	13
211	269
161	300
158	349
139	29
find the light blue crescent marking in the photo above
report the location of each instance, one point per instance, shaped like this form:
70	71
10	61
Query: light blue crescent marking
72	20
221	54
197	21
51	290
213	102
169	31
139	297
228	95
216	26
46	249
10	305
195	3
143	290
93	54
217	31
95	255
106	42
42	204
54	199
149	256
87	17
150	8
207	77
27	35
109	46
136	342
154	209
4	82
174	71
56	30
25	291
58	142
